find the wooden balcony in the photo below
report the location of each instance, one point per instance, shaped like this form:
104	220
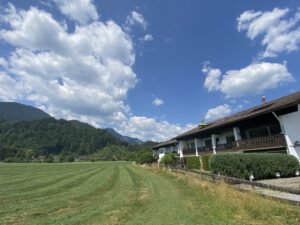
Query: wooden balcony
261	143
189	151
192	151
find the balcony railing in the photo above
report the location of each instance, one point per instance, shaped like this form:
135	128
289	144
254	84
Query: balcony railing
262	143
192	151
267	142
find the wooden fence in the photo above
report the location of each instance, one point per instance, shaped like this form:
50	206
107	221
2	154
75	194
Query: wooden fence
231	180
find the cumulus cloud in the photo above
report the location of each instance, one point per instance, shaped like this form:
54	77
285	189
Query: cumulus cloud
82	11
251	80
84	74
142	127
218	112
158	102
147	37
279	30
213	75
135	18
3	62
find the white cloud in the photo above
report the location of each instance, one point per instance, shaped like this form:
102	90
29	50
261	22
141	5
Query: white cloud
218	112
158	102
135	18
3	62
82	11
212	80
84	75
254	79
141	127
251	80
278	34
10	90
147	37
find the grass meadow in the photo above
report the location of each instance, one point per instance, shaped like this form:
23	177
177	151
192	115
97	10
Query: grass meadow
120	193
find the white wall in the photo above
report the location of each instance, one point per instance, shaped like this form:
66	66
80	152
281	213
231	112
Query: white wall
291	128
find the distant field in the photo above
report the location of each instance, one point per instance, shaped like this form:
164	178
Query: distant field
119	193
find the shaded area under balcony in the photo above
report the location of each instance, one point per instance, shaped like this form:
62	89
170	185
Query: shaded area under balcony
266	143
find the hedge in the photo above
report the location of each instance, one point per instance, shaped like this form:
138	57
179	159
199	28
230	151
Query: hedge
205	162
193	163
261	165
169	159
145	157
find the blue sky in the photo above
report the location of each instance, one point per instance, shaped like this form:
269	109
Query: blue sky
149	69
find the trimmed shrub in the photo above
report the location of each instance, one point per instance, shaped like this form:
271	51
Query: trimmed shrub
70	158
169	159
146	157
205	162
12	160
261	165
193	163
49	159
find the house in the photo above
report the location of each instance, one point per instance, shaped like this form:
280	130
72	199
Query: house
161	149
270	127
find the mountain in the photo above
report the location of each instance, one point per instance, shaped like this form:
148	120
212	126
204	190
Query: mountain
27	133
12	111
127	139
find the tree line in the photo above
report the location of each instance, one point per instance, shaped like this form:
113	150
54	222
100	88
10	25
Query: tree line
61	140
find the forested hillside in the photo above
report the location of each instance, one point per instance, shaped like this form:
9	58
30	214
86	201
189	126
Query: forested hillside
13	111
26	140
51	136
26	133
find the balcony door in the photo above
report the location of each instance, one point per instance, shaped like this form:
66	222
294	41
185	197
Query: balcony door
258	132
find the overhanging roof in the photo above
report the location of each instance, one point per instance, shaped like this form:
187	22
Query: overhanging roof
268	107
165	144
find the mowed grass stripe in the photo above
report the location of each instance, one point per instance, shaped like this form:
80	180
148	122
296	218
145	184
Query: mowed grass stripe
46	187
94	202
125	193
42	203
46	190
34	171
119	193
45	180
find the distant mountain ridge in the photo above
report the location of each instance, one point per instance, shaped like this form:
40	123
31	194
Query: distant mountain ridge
127	139
17	112
14	112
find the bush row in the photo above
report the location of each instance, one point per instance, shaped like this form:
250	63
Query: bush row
193	163
260	165
205	162
170	159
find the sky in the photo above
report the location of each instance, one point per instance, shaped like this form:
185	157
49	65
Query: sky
149	69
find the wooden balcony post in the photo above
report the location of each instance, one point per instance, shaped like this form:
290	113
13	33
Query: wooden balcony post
196	147
180	148
214	142
237	135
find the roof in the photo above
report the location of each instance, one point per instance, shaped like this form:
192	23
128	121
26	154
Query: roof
268	107
165	144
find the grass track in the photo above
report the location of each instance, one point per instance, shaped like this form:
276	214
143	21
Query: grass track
119	193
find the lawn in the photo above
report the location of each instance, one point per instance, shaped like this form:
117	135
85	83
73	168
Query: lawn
120	193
